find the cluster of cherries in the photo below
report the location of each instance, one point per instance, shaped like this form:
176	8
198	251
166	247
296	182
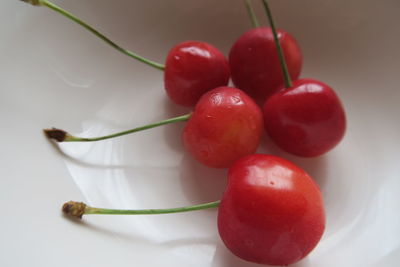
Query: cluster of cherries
272	211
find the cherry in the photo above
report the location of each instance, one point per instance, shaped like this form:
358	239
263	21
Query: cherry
255	65
306	117
271	212
193	68
225	125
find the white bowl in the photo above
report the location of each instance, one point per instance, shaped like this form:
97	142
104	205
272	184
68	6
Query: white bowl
54	73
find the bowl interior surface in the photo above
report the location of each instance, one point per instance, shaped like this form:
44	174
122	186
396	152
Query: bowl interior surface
54	73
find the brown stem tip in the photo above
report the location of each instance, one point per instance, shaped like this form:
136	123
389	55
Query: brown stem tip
74	209
56	134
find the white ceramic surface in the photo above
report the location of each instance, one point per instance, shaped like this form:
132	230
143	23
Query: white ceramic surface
53	73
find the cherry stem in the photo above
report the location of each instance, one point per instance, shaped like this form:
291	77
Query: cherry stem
288	81
251	14
78	209
95	32
63	136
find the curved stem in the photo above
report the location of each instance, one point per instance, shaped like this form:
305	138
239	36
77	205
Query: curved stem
78	209
63	136
97	33
288	81
251	14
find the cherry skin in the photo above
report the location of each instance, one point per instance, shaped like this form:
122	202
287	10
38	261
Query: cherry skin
254	63
193	68
306	119
271	212
225	125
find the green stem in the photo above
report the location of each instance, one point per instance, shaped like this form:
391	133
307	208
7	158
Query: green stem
63	136
288	81
251	14
78	209
98	34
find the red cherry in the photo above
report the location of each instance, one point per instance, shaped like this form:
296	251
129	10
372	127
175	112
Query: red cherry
254	62
225	125
193	68
306	119
271	212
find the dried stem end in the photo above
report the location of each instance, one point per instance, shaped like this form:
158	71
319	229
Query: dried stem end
56	134
34	2
74	209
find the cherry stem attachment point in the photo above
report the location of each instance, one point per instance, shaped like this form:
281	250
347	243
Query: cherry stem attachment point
95	32
63	136
288	81
78	209
251	14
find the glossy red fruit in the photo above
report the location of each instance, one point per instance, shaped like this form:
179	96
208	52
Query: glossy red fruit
306	119
271	212
193	68
225	125
254	62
